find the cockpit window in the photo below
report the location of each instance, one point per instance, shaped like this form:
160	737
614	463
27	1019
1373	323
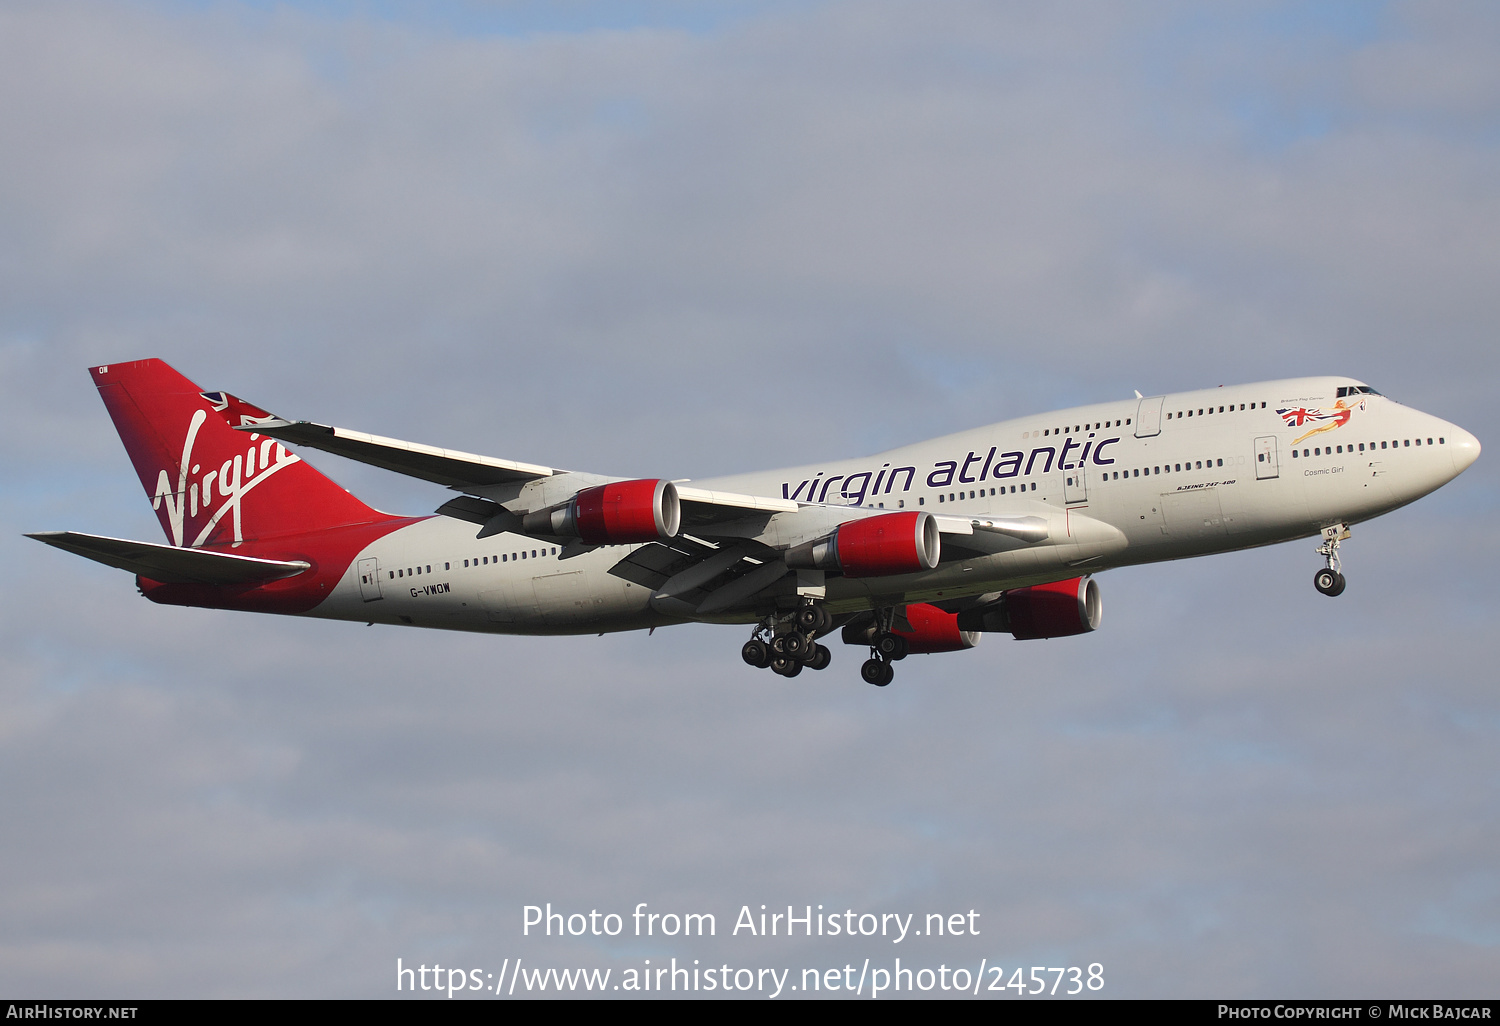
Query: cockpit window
1348	390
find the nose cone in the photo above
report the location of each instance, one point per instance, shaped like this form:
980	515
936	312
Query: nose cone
1464	447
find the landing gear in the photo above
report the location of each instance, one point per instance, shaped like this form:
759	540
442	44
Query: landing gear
877	671
1330	580
891	646
757	653
787	642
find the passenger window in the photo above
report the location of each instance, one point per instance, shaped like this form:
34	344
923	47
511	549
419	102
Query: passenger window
392	573
448	566
466	564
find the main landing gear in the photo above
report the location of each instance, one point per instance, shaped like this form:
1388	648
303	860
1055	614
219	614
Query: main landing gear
788	642
1329	580
886	647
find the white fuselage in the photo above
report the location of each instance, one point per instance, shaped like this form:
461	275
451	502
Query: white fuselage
1119	483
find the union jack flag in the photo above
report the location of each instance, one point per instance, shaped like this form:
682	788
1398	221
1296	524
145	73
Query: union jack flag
1299	416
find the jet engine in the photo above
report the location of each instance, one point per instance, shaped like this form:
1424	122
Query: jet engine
1054	610
618	513
892	543
932	630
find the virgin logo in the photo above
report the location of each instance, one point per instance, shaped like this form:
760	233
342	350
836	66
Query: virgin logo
194	496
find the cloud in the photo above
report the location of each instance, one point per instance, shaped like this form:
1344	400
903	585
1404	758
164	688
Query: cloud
672	248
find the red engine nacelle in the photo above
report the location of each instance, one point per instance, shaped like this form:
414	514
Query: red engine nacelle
879	546
1055	610
933	630
618	513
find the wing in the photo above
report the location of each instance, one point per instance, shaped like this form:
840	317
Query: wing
462	471
730	549
170	564
494	483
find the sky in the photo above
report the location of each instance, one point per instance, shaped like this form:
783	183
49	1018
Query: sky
680	240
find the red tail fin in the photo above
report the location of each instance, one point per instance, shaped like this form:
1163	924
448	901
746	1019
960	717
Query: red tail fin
210	485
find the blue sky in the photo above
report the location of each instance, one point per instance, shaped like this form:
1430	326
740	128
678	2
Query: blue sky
686	240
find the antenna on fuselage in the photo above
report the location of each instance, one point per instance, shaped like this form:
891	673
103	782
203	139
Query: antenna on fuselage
1138	394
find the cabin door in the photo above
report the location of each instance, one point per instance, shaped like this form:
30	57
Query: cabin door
1265	458
369	579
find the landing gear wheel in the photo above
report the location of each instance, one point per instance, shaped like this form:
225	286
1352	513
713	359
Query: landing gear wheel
786	667
756	653
877	672
795	646
1329	581
819	659
813	619
892	646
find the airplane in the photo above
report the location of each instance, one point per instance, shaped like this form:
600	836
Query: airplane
921	549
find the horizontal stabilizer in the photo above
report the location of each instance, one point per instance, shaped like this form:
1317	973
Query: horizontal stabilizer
170	564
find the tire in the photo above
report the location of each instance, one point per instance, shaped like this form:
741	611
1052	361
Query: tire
1329	582
892	646
819	659
756	654
786	667
877	672
1338	588
810	619
778	645
795	646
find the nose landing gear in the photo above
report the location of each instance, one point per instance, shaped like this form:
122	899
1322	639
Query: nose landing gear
1329	580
